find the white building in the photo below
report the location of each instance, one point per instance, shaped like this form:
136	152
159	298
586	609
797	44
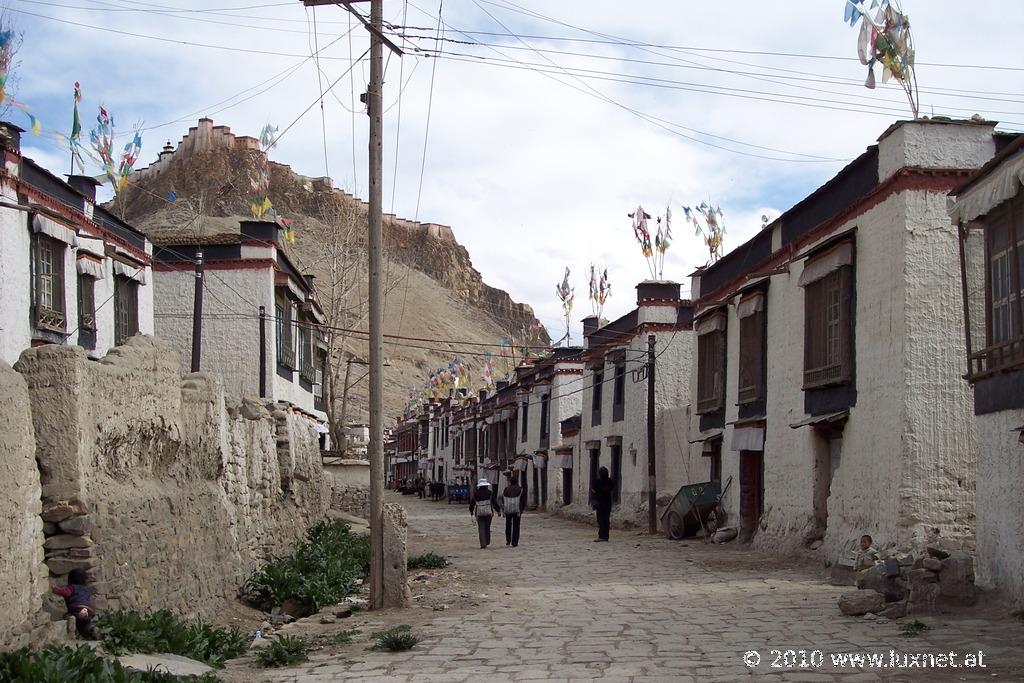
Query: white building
989	211
260	314
827	369
548	391
613	424
70	271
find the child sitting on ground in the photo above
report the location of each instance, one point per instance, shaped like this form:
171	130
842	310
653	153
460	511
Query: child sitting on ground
78	599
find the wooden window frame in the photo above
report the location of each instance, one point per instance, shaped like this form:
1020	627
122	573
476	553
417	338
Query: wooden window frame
525	427
828	329
545	415
596	397
711	349
750	381
52	315
619	392
284	327
304	336
126	309
1004	349
86	294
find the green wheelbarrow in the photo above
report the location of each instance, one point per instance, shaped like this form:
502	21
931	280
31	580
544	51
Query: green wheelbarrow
689	509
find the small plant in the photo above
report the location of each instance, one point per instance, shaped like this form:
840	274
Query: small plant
162	631
283	651
397	639
914	628
58	664
345	636
427	561
321	570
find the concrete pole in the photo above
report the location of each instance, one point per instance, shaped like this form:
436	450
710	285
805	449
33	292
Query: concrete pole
376	447
652	477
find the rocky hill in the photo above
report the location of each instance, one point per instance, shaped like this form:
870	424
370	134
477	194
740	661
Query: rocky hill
432	290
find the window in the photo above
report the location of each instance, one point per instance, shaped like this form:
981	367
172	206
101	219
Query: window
752	349
126	309
1005	285
619	393
596	398
285	345
86	312
48	281
713	451
318	378
595	463
827	329
616	473
305	335
526	418
544	429
711	364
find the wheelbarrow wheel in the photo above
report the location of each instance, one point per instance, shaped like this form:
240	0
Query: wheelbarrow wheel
674	526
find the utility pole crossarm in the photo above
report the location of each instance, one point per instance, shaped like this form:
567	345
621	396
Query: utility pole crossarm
369	26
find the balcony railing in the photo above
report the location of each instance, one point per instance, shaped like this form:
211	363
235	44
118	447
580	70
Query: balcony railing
1007	355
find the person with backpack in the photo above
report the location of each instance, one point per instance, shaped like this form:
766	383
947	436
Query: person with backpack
510	505
482	505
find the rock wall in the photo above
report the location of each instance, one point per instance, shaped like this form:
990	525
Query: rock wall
166	493
22	572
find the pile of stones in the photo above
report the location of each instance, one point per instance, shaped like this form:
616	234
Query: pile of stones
937	580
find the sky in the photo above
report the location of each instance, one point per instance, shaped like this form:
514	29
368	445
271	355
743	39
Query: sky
541	125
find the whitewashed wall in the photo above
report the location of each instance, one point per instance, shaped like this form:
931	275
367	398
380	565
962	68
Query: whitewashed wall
1000	562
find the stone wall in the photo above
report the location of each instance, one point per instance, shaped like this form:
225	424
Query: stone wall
22	573
168	494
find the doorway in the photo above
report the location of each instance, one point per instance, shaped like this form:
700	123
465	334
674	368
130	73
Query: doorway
566	486
616	473
751	493
827	449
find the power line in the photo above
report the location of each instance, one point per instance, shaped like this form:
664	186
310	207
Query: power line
320	84
618	40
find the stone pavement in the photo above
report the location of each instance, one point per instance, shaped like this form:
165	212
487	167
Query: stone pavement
561	607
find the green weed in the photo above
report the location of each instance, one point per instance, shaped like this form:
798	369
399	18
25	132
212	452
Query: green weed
397	639
345	636
427	561
321	570
914	628
162	631
283	651
60	663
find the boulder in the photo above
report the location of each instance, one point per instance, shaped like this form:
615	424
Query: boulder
931	564
894	610
956	579
937	552
859	603
924	591
872	578
919	576
724	535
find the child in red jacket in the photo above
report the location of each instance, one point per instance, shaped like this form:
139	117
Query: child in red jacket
78	599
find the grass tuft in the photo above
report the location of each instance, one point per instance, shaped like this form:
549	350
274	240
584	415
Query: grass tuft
397	639
345	636
427	561
914	628
283	651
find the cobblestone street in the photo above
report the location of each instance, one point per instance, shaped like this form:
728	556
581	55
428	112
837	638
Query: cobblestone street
561	607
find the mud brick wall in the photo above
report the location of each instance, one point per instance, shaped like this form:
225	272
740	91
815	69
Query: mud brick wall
22	572
166	492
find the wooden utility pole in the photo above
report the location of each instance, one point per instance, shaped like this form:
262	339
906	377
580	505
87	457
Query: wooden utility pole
652	477
197	314
375	449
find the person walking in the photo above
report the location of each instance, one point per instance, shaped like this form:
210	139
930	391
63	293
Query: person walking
510	505
482	505
601	495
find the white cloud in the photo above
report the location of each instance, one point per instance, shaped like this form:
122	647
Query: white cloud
534	174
